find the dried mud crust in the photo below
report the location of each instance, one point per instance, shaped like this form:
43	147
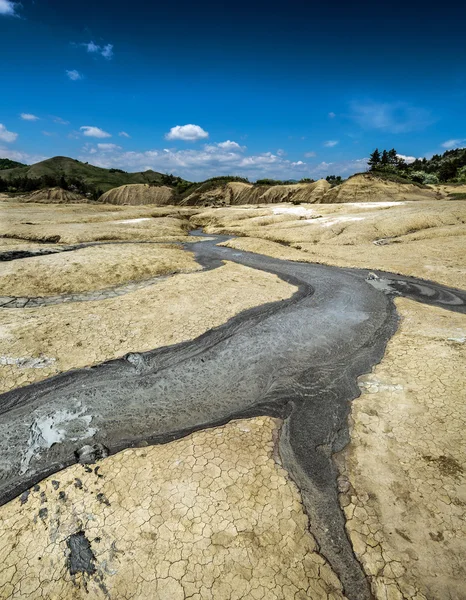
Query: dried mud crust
419	239
403	481
36	343
89	269
71	224
211	516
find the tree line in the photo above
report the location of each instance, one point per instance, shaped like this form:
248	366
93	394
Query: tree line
26	184
449	167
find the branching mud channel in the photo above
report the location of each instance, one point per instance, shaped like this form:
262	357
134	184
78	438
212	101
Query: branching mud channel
285	371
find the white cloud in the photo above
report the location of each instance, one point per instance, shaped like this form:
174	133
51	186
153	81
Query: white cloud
49	133
310	154
453	143
28	117
408	159
22	157
91	47
8	8
124	134
105	51
7	136
344	168
331	115
60	121
330	143
189	133
74	75
281	152
228	145
96	132
108	147
212	160
394	117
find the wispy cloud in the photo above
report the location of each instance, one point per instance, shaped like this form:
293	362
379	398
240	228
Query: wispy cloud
331	143
310	154
60	121
331	115
7	136
214	159
9	8
233	146
345	168
393	117
453	143
188	133
124	134
28	117
105	51
408	159
74	75
90	131
108	147
23	157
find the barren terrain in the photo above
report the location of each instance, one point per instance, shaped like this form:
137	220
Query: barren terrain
238	359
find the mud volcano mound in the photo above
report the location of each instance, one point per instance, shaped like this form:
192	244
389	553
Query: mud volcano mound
366	187
138	193
55	195
238	193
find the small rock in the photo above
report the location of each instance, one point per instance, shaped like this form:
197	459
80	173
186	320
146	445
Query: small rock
90	454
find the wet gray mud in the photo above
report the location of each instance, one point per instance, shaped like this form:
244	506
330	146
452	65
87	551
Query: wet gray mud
298	359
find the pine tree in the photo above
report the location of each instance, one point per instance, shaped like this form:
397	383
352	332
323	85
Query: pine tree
374	159
393	157
385	160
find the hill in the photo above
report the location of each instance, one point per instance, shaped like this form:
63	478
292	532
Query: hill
139	193
52	170
449	167
370	187
6	163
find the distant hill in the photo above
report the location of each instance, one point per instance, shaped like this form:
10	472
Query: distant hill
70	169
6	163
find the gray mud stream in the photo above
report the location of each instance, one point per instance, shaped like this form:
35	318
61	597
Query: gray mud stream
298	359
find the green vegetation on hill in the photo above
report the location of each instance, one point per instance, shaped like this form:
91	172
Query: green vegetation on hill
6	163
73	174
449	167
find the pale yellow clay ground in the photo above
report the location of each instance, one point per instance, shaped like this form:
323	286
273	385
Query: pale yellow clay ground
211	516
69	224
36	343
93	268
406	496
422	239
16	213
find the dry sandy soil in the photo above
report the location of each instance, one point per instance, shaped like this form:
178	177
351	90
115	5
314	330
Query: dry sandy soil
217	505
423	239
36	343
92	268
403	473
211	516
70	224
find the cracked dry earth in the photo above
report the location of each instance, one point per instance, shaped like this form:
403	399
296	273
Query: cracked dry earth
210	516
36	343
403	480
214	514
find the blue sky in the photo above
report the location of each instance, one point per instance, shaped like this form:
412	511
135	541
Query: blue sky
259	89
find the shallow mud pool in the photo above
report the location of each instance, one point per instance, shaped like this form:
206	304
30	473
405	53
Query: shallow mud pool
298	359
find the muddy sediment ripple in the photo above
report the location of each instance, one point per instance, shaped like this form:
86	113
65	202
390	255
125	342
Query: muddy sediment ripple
298	359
